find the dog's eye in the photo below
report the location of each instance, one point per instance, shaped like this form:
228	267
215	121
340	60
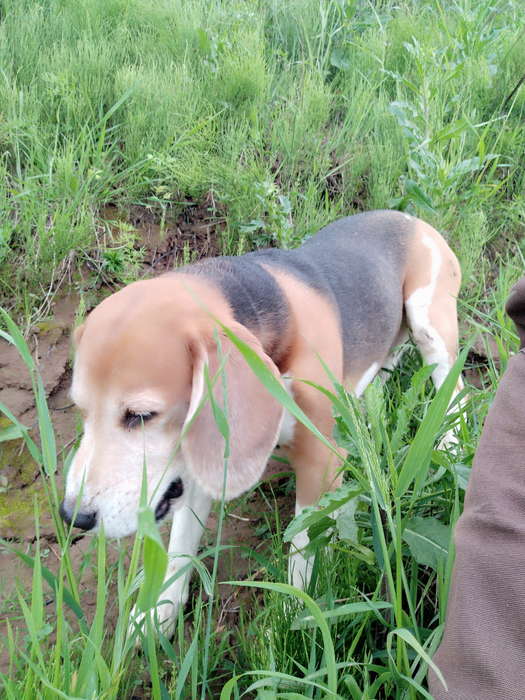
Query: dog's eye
131	419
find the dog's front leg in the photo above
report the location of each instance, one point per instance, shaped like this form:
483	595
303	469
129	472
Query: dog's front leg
316	470
186	532
299	563
188	524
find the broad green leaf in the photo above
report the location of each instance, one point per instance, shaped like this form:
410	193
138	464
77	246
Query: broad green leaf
428	540
346	525
329	503
419	197
462	474
339	59
450	130
470	165
155	560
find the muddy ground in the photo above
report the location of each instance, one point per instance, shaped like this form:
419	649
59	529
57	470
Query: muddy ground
21	484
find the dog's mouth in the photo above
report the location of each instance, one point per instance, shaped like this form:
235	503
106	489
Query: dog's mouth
174	490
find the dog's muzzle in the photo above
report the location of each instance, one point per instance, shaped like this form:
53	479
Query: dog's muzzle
174	490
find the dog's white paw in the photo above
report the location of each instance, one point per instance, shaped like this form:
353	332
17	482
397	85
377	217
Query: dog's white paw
163	615
449	440
299	565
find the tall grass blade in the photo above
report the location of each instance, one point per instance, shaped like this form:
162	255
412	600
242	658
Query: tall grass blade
417	461
315	611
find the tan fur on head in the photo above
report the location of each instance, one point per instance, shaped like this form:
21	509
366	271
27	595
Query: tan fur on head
142	351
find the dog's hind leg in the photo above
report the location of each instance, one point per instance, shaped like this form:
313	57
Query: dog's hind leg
394	357
430	293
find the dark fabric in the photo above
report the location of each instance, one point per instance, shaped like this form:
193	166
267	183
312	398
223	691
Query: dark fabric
482	654
515	308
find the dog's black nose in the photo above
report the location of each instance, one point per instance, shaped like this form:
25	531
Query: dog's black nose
84	521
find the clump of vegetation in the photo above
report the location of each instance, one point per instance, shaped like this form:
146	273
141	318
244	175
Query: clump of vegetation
290	115
283	116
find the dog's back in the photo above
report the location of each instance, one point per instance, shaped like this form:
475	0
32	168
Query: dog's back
356	263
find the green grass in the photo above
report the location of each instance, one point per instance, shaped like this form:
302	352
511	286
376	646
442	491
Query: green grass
289	114
284	115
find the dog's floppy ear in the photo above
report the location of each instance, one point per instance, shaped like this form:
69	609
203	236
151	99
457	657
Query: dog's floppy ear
77	335
515	308
254	416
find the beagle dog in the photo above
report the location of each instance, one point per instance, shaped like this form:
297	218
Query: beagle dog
146	358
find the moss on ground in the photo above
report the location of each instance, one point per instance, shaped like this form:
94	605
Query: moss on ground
19	486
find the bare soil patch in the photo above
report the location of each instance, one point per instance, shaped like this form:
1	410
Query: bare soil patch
194	234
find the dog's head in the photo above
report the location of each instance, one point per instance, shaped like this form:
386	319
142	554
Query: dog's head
139	380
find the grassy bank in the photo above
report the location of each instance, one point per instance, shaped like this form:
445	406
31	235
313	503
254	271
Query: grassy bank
287	114
276	117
